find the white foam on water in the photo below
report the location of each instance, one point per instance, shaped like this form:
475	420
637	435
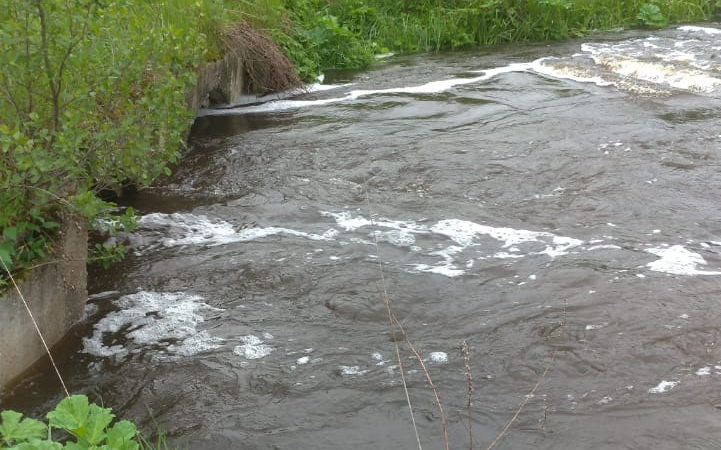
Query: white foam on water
320	87
189	229
464	233
605	400
163	319
192	229
379	359
660	73
543	66
663	64
401	238
603	247
506	255
705	30
348	222
271	102
303	360
352	370
252	347
663	386
650	65
703	371
438	357
447	267
432	87
677	260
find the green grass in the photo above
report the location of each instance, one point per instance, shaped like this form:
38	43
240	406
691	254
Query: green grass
432	25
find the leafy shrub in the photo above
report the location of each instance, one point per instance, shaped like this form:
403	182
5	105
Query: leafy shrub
83	425
92	96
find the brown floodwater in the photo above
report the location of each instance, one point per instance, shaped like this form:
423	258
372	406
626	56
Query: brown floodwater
554	206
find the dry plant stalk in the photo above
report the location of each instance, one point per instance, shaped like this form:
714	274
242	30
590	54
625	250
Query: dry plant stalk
394	322
469	388
386	301
267	68
427	373
530	395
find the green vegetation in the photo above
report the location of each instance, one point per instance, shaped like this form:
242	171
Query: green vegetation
432	25
650	15
74	424
91	98
92	93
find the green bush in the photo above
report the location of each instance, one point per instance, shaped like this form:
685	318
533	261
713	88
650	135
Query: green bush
83	426
92	96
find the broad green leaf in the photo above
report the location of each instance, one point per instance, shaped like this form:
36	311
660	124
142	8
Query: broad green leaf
14	428
98	419
71	414
37	444
121	436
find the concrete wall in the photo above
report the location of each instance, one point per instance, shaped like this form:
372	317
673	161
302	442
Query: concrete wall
220	83
56	293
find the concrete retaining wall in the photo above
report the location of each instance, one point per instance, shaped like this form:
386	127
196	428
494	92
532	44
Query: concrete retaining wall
56	293
220	83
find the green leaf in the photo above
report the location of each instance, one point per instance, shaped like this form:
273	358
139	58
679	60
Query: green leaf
7	251
10	233
121	436
71	414
15	429
37	444
98	419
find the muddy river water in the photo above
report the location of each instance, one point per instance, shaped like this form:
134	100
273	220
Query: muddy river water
556	206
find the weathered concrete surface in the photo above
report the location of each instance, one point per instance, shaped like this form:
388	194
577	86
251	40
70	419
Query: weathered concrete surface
220	83
56	293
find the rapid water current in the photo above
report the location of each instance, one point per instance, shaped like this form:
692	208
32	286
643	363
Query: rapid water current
556	206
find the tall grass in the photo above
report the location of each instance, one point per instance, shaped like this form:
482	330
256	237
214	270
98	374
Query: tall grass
427	25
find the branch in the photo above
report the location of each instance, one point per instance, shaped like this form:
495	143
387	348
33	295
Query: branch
48	68
28	72
8	94
69	50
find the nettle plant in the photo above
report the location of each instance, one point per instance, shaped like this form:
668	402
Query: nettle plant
78	425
